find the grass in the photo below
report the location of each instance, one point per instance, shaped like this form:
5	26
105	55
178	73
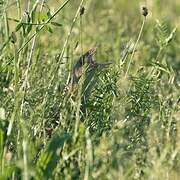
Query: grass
128	128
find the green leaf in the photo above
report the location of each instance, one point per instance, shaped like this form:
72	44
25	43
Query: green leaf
1	141
161	67
43	16
29	28
48	28
56	24
13	19
49	14
13	38
34	14
3	136
51	155
19	26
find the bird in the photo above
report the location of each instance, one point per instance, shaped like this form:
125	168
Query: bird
89	68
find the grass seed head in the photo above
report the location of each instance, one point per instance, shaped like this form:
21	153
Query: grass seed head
82	10
13	38
144	11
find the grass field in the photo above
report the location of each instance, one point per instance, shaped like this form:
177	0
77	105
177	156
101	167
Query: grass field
119	122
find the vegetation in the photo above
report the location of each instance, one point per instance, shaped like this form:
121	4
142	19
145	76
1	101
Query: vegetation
128	127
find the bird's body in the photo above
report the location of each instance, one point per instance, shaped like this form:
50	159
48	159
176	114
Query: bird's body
87	70
86	66
85	60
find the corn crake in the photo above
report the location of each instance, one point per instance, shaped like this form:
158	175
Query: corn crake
87	70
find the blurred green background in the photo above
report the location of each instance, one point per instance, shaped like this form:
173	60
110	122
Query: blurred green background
131	127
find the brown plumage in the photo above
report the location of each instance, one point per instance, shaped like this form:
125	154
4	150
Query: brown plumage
87	65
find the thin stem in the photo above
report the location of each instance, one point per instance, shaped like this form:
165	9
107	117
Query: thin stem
8	6
25	160
153	69
135	46
81	33
16	69
16	79
19	8
6	21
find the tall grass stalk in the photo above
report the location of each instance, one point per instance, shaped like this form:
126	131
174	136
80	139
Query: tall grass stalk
135	46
